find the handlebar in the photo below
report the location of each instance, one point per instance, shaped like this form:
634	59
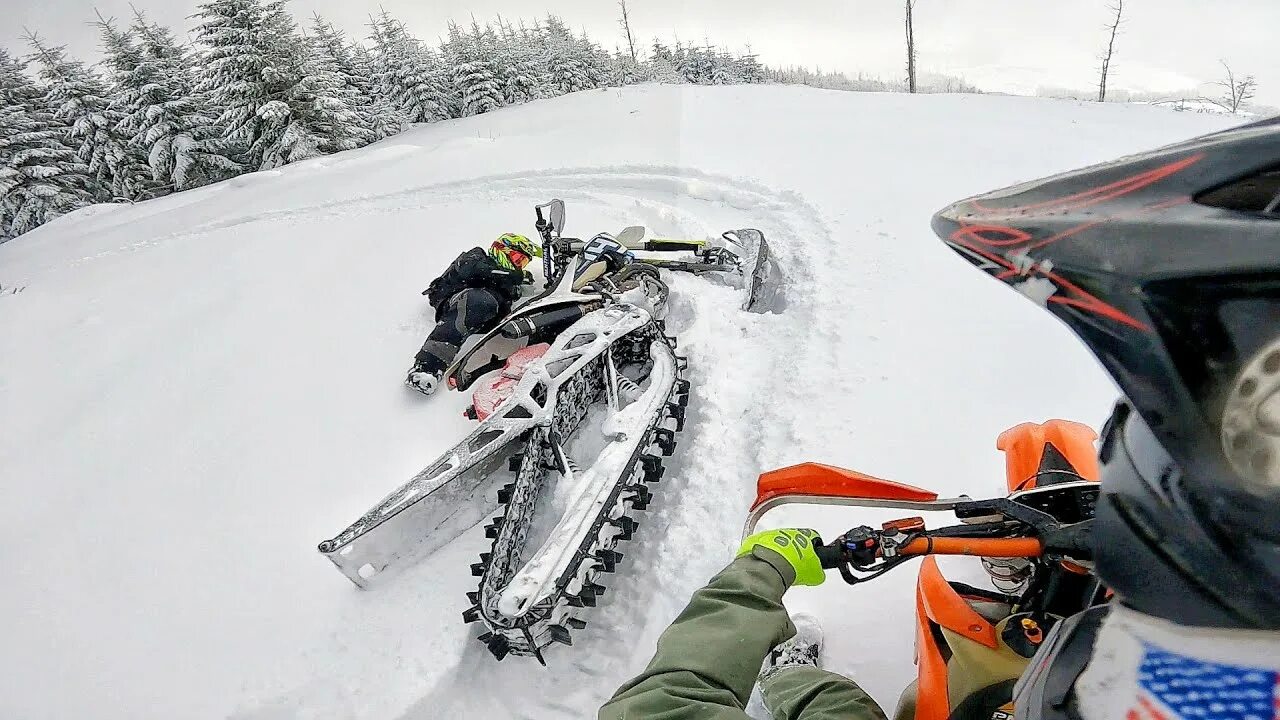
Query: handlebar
986	547
835	555
874	552
831	556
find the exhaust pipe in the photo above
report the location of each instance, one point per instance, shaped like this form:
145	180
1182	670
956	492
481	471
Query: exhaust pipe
557	319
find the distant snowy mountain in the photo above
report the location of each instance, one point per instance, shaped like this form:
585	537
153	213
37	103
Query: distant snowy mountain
196	389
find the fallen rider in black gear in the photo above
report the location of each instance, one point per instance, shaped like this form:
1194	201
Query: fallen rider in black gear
472	296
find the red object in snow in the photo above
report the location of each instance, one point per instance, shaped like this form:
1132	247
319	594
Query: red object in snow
490	395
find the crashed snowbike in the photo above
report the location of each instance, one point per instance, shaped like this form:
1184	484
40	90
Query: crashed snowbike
972	645
583	276
573	431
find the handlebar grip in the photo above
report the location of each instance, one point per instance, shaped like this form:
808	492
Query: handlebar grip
831	556
989	547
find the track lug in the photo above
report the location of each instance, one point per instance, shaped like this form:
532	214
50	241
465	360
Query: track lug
513	462
665	439
682	387
575	623
582	599
671	340
498	645
492	529
652	468
484	557
477	569
626	524
504	493
474	597
560	634
608	559
682	363
642	497
595	589
675	411
471	615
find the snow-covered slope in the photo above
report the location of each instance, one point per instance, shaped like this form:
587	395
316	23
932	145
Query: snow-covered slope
195	390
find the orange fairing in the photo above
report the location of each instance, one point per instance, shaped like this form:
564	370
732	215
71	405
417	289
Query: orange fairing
815	479
1024	447
938	603
932	702
945	607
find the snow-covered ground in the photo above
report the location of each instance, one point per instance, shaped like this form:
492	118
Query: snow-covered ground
195	390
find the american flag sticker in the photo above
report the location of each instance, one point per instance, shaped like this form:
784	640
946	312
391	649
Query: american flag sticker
1176	687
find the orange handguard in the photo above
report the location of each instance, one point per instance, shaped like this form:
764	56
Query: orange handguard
985	547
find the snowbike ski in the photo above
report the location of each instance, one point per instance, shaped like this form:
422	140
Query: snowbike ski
745	256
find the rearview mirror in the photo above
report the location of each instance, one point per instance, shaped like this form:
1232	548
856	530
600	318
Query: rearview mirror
557	216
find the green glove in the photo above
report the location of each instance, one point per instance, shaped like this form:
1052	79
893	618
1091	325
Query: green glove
794	544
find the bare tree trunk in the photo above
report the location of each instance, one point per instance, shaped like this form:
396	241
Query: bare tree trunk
1230	84
625	22
911	49
1238	92
1111	47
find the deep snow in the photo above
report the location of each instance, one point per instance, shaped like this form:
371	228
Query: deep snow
197	389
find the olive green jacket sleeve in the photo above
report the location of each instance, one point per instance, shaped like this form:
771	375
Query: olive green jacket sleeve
708	660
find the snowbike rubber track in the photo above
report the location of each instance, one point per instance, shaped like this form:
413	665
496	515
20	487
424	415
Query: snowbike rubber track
563	573
548	405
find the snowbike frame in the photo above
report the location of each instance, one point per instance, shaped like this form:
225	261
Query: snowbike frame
971	644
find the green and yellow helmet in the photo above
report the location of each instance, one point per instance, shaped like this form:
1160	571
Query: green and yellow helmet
513	251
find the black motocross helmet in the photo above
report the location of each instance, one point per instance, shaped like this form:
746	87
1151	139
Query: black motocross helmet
1167	265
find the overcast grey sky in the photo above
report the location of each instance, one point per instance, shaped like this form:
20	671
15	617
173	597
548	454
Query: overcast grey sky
999	45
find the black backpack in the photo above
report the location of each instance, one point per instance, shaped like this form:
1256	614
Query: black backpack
474	269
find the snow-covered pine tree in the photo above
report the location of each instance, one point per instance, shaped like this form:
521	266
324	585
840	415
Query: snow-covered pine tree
697	65
748	68
40	176
570	65
280	106
409	75
661	66
724	68
117	170
624	70
331	50
382	117
475	75
594	59
323	105
518	64
250	63
154	93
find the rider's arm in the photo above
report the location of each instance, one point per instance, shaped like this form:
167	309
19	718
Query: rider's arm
708	660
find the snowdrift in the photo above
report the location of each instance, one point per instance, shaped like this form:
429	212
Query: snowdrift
194	389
